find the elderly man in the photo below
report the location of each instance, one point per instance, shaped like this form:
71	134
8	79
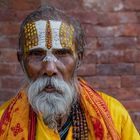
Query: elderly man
54	103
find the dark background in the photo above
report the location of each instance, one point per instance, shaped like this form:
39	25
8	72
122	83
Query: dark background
112	58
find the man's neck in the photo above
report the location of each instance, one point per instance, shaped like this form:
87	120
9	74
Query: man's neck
61	122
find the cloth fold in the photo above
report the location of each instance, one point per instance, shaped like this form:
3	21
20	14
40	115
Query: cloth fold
97	114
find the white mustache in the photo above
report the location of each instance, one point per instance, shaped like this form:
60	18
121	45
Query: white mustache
59	85
43	82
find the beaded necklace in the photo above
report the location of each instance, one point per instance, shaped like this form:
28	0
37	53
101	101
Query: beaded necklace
80	129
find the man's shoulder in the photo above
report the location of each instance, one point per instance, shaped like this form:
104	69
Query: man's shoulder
114	105
4	106
121	117
109	99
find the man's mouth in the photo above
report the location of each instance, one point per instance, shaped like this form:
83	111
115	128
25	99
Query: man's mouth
49	89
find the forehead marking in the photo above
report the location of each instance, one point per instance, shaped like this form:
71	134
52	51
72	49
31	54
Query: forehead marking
66	36
48	34
41	32
55	26
31	39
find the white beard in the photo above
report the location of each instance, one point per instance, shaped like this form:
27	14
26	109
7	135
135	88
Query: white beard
51	105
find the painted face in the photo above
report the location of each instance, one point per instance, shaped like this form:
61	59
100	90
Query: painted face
49	42
48	35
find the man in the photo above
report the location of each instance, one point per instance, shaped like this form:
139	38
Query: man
54	103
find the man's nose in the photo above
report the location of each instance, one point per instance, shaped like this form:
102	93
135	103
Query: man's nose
49	68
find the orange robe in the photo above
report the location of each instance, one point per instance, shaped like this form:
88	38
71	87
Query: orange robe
106	118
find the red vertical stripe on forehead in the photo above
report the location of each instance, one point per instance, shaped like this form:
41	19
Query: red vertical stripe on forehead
48	35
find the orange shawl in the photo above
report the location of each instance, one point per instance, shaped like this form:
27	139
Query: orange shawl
18	120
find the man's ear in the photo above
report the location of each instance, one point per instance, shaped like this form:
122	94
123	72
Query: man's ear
78	64
80	57
19	55
20	59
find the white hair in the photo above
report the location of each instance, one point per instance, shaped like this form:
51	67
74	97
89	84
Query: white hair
52	105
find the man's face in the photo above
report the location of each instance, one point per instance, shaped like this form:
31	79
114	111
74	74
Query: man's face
49	49
50	60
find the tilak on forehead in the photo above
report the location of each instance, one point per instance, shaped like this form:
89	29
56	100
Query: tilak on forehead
47	35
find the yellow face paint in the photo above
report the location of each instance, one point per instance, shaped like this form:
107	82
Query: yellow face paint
30	36
66	36
48	35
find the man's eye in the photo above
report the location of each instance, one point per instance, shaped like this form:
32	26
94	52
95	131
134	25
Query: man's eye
63	52
36	53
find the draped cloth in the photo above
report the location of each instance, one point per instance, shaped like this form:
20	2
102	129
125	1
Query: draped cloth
18	121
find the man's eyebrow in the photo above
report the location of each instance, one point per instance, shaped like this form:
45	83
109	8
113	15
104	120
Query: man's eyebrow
37	48
63	49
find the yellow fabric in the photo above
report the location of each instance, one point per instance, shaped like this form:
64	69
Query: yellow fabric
18	125
51	135
44	133
42	129
120	117
121	120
